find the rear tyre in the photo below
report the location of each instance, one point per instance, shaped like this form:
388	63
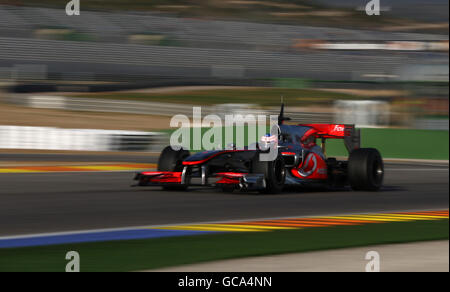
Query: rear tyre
274	173
172	160
365	169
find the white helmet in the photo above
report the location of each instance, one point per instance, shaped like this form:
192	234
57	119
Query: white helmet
267	140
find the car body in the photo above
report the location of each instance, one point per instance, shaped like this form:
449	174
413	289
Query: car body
300	162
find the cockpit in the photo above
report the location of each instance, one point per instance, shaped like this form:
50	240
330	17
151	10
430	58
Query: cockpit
297	135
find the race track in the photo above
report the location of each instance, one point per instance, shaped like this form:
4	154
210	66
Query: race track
52	202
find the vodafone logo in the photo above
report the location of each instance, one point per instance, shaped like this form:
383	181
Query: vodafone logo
339	128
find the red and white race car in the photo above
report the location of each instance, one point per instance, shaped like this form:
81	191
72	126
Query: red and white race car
300	161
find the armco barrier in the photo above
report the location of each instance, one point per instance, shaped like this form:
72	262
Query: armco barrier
46	138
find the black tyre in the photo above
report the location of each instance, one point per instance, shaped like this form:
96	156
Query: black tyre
172	160
274	173
365	169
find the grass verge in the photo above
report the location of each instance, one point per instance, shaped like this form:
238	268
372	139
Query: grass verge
136	255
400	143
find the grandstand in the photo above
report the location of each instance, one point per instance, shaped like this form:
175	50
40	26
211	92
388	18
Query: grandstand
114	26
201	48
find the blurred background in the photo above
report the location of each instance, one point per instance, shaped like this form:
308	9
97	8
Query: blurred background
124	68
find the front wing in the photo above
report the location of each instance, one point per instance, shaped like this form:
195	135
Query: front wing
244	181
241	181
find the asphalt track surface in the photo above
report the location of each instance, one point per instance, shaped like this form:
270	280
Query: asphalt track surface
33	203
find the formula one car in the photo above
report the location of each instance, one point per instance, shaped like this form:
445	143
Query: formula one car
300	162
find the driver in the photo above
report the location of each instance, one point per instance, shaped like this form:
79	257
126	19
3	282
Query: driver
309	142
268	140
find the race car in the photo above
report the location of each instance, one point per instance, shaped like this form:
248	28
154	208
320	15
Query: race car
300	162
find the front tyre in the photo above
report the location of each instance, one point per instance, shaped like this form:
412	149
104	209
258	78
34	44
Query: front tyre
365	169
274	173
172	160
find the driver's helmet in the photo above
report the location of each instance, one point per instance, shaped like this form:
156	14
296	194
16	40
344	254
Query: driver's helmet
309	142
267	140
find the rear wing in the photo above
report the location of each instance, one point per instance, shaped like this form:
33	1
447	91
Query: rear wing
350	135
